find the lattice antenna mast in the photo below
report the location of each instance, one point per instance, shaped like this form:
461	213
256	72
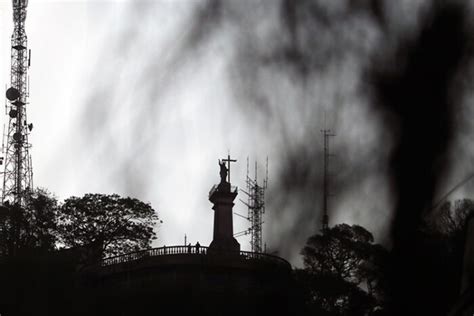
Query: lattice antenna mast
18	173
325	222
256	207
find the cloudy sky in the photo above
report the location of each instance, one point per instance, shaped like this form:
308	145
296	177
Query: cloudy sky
141	98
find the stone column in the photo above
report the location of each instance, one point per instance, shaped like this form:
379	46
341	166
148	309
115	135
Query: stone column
223	199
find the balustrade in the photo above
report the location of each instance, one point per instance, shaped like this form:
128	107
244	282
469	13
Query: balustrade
180	250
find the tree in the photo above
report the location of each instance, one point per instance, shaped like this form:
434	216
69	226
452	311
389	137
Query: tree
450	219
41	213
30	227
113	224
344	271
442	243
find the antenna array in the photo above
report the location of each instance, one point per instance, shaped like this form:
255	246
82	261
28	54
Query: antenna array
256	208
326	134
18	172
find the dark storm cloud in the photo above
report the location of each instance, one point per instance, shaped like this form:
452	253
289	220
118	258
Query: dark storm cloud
318	33
293	65
133	72
422	96
306	68
294	68
204	22
321	50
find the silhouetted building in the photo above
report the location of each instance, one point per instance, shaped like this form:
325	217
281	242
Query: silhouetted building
215	280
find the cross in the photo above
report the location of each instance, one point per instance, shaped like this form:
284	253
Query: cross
228	160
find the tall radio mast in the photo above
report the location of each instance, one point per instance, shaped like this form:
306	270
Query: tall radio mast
325	221
18	173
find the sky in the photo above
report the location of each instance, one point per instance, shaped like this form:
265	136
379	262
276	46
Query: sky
141	98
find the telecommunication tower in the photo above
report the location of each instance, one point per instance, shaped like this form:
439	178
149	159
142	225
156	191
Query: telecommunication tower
18	173
256	207
326	134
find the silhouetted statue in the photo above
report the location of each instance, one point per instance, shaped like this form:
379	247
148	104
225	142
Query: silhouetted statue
197	247
223	172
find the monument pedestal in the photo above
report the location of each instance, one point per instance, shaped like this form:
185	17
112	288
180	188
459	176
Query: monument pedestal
223	240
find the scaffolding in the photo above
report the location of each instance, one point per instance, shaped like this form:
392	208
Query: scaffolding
256	208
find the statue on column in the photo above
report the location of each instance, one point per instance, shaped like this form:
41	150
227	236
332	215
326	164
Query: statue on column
223	172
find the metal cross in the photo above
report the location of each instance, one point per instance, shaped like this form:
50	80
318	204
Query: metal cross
228	160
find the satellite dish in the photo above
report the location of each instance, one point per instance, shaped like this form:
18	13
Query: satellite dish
18	103
13	113
12	94
17	136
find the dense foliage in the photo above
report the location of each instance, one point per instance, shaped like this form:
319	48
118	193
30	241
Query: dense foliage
117	225
109	224
344	272
441	252
31	227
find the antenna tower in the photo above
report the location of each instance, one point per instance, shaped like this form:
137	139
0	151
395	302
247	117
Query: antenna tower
326	134
18	173
256	207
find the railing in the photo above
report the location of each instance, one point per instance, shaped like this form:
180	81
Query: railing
191	250
214	188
